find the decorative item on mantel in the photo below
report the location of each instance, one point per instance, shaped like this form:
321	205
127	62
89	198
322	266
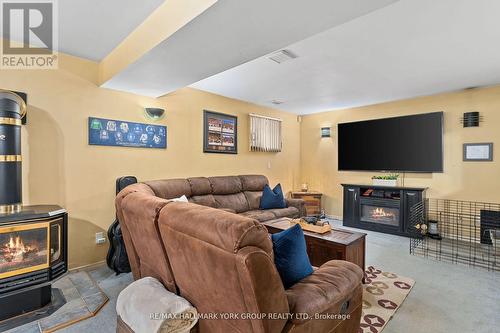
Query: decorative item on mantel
389	180
304	187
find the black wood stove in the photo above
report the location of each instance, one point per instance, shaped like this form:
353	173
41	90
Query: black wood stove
33	239
33	252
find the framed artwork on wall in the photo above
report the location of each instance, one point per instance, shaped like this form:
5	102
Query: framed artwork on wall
112	132
478	152
220	133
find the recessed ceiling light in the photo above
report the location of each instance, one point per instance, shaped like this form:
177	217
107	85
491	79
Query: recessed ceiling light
282	56
277	102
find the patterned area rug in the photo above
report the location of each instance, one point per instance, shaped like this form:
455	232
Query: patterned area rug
383	294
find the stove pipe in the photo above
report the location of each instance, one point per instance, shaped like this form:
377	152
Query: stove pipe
12	109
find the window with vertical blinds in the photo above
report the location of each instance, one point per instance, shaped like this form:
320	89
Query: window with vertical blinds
265	134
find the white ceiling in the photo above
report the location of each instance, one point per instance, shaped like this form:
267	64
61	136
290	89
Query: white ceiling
92	28
231	33
407	49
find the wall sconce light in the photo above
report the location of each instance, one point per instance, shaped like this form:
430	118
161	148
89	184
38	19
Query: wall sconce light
154	113
325	132
471	119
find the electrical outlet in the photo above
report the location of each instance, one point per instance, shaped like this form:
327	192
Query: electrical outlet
100	238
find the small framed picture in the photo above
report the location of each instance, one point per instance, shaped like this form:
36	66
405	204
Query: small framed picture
478	152
220	133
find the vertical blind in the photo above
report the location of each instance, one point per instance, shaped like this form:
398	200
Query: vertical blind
265	133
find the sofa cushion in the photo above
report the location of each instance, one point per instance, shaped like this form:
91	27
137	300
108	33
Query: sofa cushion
200	186
284	212
272	198
229	210
259	215
290	255
227	231
331	284
204	200
253	182
253	198
170	188
225	185
236	201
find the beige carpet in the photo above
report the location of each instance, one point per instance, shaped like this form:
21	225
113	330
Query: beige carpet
383	294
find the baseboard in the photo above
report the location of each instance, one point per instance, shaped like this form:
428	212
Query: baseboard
334	217
84	267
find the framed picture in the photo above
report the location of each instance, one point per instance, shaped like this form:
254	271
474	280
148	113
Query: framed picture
220	133
112	132
479	152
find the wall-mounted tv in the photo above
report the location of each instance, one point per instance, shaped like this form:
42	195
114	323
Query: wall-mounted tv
410	143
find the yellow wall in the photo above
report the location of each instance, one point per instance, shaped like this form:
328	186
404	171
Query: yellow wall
477	181
59	167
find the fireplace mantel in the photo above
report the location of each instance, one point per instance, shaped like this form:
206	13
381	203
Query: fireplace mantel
380	208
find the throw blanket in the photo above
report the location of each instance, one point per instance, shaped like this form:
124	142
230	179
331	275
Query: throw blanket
147	307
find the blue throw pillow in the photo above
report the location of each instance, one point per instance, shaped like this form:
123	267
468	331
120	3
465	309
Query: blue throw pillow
290	255
272	198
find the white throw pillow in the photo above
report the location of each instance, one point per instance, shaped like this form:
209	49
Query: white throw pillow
181	199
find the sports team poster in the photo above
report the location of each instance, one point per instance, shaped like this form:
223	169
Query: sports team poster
107	132
220	133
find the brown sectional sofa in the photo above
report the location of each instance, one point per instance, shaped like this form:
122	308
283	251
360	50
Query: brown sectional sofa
222	262
236	194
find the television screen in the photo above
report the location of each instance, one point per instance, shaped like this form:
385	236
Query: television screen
410	143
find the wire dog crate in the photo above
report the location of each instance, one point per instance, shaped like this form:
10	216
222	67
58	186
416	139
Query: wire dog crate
460	232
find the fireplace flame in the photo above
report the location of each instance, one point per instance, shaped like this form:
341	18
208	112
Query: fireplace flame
380	213
15	249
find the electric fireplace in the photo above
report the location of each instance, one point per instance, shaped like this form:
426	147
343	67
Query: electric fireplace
380	208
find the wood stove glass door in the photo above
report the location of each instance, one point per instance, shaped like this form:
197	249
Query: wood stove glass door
56	242
24	248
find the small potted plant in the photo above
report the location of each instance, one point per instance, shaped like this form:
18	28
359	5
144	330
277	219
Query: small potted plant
389	180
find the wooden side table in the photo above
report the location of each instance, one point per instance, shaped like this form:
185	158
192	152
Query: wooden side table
312	201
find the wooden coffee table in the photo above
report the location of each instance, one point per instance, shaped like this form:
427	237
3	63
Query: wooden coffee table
337	244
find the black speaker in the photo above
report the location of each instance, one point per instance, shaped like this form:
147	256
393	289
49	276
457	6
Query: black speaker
471	119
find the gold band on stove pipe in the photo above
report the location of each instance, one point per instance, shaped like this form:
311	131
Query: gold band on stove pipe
10	121
11	158
7	209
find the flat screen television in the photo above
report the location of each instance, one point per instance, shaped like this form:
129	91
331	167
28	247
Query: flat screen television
410	143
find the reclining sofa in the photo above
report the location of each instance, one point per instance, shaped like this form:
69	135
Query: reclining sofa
222	261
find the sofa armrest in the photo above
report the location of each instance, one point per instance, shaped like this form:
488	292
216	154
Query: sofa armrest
300	204
333	288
